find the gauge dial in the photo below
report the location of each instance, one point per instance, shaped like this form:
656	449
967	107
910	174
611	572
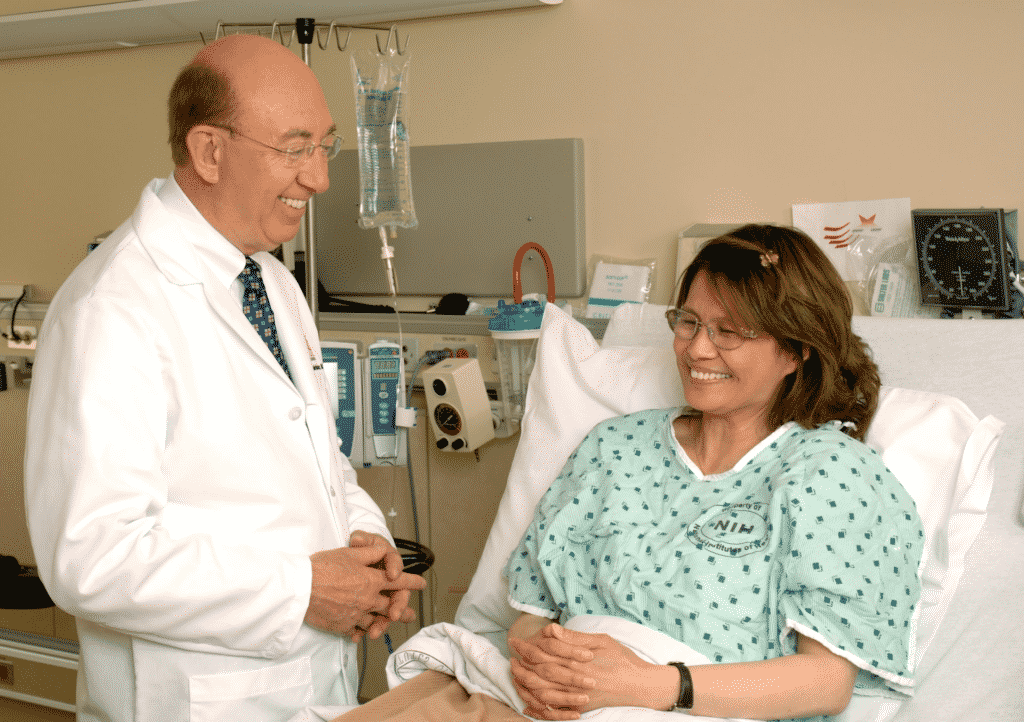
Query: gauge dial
962	260
448	419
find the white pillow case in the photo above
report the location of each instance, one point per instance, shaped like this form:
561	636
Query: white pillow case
933	443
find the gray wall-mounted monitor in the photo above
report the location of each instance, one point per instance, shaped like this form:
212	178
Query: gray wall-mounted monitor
476	204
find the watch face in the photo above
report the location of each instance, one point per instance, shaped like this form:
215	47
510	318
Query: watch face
448	419
961	259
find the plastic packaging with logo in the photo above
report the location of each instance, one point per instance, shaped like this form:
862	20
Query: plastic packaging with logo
385	183
892	287
614	281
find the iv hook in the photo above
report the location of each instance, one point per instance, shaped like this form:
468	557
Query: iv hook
275	33
323	41
276	30
398	46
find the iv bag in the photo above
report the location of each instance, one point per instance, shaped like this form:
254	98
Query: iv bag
385	184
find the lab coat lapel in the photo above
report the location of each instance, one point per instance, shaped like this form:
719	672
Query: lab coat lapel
160	234
300	342
166	238
297	342
226	307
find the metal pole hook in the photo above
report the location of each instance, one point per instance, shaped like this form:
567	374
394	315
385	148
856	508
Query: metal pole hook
275	33
398	47
275	29
324	40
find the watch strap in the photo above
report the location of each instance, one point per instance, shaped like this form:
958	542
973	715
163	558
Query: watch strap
685	699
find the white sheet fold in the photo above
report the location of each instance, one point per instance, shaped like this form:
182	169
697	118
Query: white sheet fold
482	668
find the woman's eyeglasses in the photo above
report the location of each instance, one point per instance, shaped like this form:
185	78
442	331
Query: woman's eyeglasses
686	325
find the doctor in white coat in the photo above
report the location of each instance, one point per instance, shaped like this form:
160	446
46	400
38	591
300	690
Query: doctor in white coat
186	498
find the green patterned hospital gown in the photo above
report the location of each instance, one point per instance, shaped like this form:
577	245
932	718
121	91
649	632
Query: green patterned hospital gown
809	532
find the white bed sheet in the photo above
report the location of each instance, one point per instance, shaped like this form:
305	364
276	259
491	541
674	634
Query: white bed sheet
974	668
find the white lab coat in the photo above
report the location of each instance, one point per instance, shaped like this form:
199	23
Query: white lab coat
176	483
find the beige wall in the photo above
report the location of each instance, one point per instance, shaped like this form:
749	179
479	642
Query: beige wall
720	111
13	532
690	111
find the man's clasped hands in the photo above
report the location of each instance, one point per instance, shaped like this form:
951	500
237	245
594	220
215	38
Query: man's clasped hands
360	589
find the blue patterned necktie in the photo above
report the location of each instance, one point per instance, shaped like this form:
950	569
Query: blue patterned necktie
257	309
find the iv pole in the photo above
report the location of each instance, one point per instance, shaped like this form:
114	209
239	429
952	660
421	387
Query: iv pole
304	29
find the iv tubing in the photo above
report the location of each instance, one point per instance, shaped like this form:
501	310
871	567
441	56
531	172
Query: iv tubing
402	413
387	253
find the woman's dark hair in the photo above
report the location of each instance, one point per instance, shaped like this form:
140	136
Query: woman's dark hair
200	96
779	283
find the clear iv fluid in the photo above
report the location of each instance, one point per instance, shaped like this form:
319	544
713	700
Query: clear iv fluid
384	174
383	158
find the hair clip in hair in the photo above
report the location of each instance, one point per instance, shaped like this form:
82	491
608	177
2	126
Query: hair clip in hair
769	258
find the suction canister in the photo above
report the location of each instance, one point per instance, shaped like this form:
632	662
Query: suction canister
515	329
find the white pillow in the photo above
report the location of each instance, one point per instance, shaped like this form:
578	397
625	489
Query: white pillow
573	386
933	443
942	455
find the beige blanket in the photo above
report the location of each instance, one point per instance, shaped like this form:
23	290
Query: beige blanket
432	697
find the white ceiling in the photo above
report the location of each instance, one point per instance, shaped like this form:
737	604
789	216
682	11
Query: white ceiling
148	22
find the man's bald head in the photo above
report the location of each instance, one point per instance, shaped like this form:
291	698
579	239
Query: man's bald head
225	79
249	130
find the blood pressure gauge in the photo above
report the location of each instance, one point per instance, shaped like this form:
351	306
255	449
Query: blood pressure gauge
962	258
458	406
447	418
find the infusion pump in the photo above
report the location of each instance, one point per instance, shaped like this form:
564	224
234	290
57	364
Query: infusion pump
369	405
370	376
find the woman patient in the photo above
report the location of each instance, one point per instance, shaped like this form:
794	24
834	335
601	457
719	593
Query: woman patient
752	525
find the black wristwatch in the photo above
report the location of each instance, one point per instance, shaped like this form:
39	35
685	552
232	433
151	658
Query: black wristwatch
685	700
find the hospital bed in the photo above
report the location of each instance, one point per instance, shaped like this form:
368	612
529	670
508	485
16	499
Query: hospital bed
950	425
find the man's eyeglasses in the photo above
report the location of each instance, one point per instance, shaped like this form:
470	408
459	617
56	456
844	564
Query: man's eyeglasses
298	154
686	326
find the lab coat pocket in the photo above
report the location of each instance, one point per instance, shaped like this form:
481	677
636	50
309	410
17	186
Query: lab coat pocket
268	693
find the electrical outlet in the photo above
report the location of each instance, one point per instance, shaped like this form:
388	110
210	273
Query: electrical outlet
410	352
466	350
456	350
26	338
19	371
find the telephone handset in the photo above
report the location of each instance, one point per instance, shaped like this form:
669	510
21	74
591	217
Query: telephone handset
385	381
